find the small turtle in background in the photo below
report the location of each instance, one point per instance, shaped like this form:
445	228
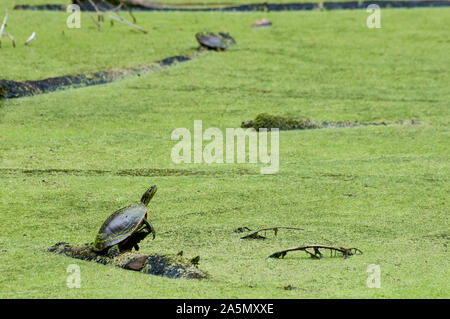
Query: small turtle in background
125	228
212	41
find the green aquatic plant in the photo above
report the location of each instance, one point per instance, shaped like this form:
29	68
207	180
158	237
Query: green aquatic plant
265	120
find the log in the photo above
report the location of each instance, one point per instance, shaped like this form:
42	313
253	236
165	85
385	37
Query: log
167	265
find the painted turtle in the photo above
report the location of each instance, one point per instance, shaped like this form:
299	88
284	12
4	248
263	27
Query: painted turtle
212	41
125	228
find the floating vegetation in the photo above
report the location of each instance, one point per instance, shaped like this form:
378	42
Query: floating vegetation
269	121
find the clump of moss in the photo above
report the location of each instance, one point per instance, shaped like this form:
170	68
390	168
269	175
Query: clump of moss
3	93
269	121
172	266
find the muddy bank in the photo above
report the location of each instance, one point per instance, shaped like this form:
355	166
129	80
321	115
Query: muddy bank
171	266
257	6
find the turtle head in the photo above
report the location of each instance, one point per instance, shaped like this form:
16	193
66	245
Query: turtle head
148	195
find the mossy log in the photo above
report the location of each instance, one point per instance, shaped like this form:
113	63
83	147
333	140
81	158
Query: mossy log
270	121
171	266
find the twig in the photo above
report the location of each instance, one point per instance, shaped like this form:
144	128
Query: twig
112	9
12	39
99	13
129	11
92	17
317	254
255	234
31	38
119	19
3	26
241	229
4	22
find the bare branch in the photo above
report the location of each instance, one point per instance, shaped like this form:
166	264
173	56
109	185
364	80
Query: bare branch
3	26
111	7
255	234
31	38
12	39
4	22
119	19
129	11
99	13
241	229
92	17
317	254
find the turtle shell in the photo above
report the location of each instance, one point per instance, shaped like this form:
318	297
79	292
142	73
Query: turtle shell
119	226
213	41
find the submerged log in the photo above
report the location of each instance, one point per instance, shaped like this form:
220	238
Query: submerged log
269	121
14	89
171	266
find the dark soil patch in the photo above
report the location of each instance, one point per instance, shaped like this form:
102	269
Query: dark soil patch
171	266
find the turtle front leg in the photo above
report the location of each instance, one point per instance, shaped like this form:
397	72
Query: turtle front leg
150	228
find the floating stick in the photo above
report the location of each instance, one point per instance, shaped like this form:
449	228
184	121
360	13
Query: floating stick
12	39
92	17
112	9
99	13
255	234
119	19
31	38
3	26
129	11
317	254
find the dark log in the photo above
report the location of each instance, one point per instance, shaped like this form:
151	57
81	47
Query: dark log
168	265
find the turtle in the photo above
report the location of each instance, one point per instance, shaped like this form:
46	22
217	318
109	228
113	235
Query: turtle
212	41
125	228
